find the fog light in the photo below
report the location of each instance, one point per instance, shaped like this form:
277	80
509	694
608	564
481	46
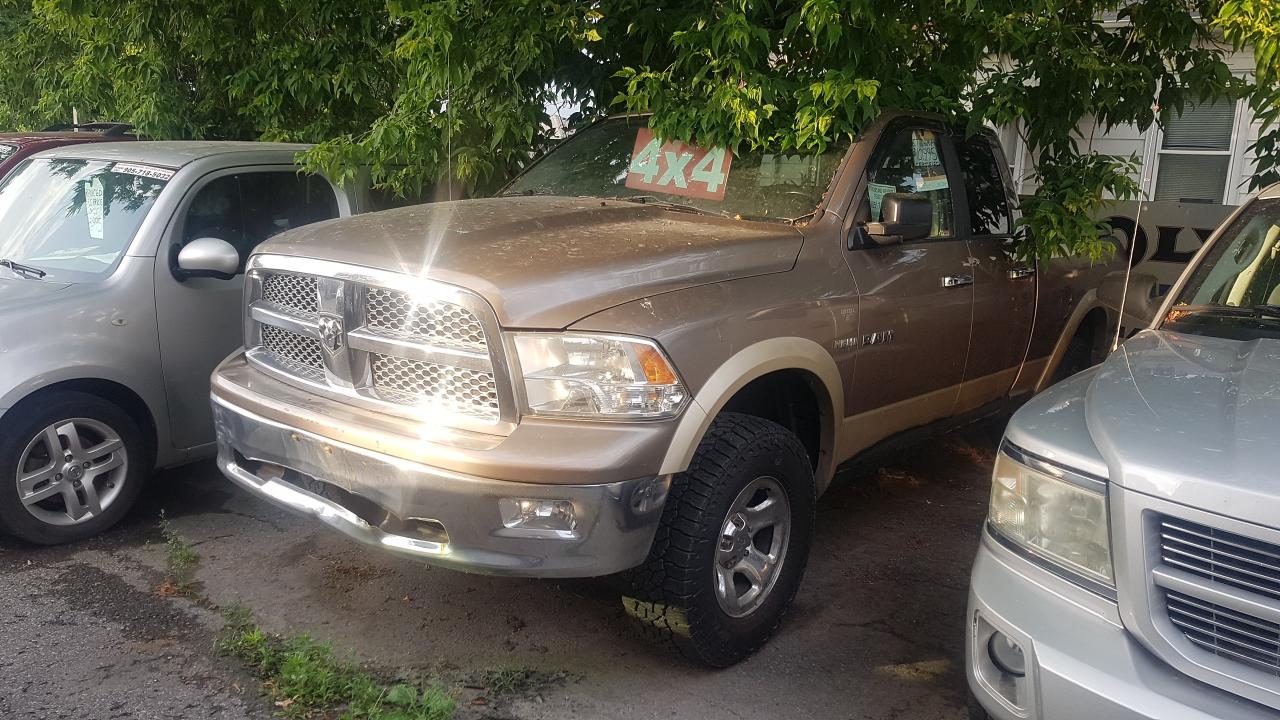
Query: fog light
1006	655
530	517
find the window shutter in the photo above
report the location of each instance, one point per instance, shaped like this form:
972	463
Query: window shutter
1201	126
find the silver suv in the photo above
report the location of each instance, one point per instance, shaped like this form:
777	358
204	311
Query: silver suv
1130	566
120	287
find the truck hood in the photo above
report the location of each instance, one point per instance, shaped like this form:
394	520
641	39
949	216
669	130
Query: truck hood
1192	419
546	262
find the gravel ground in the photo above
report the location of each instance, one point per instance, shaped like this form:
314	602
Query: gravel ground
876	631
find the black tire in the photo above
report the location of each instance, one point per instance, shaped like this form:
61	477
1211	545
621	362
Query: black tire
673	594
20	427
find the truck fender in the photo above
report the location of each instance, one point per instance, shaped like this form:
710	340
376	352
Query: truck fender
754	361
1088	303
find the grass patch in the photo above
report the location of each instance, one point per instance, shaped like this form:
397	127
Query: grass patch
180	559
509	682
306	679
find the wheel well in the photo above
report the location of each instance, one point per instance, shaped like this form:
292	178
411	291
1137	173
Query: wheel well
789	398
114	393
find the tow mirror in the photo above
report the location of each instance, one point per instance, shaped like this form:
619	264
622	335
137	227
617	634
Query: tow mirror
904	217
1139	293
208	257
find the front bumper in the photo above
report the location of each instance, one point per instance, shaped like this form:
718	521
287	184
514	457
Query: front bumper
441	517
1080	660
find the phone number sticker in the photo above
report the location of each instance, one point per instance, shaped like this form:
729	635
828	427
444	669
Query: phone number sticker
147	171
678	168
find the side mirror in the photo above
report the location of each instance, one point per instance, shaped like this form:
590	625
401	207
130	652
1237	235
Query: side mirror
904	217
207	257
1141	299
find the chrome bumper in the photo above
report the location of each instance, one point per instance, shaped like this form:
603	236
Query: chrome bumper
1081	662
338	484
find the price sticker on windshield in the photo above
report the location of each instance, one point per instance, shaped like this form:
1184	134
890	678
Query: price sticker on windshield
678	168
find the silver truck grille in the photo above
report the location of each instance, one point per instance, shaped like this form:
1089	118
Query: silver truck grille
1203	567
1221	557
1227	633
382	340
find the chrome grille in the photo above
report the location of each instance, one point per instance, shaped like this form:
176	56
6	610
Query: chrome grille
302	354
386	341
1226	632
414	381
434	321
1221	557
291	292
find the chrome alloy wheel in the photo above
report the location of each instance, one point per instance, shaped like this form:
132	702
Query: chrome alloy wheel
71	471
752	546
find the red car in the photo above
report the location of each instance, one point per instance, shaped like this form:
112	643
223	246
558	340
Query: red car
16	146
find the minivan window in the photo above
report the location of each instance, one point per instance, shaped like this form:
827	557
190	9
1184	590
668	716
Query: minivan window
983	186
619	158
247	208
1234	290
74	219
7	151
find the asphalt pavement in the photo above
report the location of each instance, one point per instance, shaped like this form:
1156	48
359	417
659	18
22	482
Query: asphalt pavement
89	632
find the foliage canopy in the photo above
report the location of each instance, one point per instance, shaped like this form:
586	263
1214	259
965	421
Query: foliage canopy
416	90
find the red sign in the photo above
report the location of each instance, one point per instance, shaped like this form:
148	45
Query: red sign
678	168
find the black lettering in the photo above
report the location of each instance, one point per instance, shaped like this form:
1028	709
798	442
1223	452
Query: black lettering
1167	246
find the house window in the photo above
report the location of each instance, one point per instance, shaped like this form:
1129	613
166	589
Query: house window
1194	162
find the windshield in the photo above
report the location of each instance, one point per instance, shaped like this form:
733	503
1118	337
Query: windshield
621	158
1234	291
74	219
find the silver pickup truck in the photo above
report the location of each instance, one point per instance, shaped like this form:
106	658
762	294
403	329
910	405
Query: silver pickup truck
1130	565
644	357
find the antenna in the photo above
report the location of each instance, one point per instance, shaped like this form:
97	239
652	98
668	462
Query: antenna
448	119
1128	271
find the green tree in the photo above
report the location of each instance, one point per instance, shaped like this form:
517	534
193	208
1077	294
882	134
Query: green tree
416	90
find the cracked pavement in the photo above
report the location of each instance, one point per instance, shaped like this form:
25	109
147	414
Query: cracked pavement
876	631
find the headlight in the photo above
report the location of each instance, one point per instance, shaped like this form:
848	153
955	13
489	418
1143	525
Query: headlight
1049	515
598	376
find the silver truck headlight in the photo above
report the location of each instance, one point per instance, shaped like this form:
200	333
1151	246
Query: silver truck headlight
597	376
1050	516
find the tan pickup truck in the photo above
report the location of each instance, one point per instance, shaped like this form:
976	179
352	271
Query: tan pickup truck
643	356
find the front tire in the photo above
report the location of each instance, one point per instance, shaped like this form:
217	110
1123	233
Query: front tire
731	549
71	466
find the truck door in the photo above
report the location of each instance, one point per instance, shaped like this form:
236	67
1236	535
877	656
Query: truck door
200	319
915	298
1004	290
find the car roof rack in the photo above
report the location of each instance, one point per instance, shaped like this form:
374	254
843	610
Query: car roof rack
111	129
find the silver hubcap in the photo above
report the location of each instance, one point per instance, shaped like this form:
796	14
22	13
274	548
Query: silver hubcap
72	471
752	546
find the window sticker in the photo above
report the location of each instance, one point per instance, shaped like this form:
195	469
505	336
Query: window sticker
95	207
147	171
678	168
875	194
924	149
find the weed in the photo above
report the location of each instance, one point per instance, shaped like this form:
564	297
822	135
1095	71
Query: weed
306	679
506	682
179	558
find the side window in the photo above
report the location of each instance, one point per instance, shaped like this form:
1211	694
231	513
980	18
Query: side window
911	162
247	208
988	202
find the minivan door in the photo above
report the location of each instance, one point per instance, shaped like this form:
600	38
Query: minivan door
200	319
915	297
1004	289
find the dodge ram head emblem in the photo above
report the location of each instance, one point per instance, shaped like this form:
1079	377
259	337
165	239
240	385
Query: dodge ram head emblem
330	333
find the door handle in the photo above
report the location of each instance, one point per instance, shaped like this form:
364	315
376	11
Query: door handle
1022	272
950	281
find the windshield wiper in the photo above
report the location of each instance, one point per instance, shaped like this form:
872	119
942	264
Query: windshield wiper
668	205
1270	311
24	270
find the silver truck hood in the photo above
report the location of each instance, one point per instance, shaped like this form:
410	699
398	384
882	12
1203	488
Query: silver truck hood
546	262
19	292
1192	419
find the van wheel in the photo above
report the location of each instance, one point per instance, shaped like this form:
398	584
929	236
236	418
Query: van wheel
732	545
71	466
